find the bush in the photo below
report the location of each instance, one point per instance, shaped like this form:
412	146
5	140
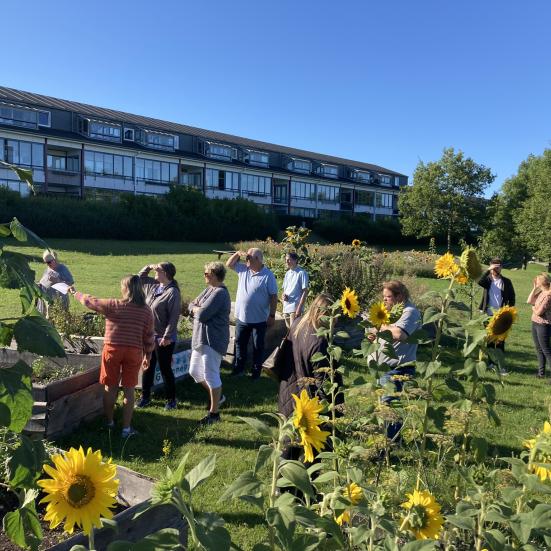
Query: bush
362	227
183	214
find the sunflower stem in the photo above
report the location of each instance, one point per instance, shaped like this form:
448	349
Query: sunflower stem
91	543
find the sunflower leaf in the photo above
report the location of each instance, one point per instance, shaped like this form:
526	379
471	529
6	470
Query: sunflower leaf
16	394
167	538
25	464
200	472
23	526
296	474
35	334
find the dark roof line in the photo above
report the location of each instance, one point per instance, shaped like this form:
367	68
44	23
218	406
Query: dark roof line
11	94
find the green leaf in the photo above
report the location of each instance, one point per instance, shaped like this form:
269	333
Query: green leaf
167	538
4	230
432	368
342	334
258	426
296	473
318	357
22	526
246	484
25	463
463	522
16	394
211	532
455	385
437	416
200	472
24	174
36	334
480	447
265	454
6	334
24	234
282	519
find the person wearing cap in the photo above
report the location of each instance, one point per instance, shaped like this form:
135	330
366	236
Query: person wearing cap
162	295
295	289
55	272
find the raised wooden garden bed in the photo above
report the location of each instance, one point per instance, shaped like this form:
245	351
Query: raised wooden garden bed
134	493
61	405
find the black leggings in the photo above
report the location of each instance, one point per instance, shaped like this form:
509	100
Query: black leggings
541	332
163	356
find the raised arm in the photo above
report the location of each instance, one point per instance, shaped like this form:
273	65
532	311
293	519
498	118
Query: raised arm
103	306
233	260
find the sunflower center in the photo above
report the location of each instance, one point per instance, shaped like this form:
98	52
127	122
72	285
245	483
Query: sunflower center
503	323
80	492
347	304
418	517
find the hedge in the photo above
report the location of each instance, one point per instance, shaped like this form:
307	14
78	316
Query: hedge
183	214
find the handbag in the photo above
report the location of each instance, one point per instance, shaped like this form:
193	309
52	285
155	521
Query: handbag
280	364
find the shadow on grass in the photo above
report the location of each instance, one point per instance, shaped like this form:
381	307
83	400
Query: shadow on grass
105	247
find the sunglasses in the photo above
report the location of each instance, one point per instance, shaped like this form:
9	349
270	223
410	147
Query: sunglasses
207	273
49	261
249	257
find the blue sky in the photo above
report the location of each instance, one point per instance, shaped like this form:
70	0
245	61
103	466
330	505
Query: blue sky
386	82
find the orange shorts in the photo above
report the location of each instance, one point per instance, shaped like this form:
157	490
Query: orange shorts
120	364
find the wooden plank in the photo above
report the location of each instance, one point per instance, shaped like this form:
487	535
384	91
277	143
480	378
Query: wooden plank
69	411
40	407
57	389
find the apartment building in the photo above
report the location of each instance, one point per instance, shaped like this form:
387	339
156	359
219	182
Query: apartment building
86	151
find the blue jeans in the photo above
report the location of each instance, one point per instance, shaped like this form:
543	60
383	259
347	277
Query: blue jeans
242	335
393	429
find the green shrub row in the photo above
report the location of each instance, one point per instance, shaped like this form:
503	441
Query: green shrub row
183	214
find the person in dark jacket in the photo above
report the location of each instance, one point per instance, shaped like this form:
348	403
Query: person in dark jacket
162	295
304	373
497	291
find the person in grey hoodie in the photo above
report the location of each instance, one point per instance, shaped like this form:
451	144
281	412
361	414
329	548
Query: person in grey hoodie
162	295
211	336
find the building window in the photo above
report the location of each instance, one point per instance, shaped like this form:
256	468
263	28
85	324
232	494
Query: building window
361	176
60	160
300	165
328	194
157	171
364	198
385	180
129	134
44	118
223	180
303	190
21	153
25	117
220	151
328	171
258	158
255	185
383	200
157	140
105	164
100	130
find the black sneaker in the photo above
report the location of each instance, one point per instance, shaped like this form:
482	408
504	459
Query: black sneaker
210	419
143	403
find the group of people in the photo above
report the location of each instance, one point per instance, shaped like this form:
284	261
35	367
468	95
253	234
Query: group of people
141	328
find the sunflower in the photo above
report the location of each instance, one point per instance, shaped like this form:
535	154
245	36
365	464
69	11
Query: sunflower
349	303
81	490
500	324
354	494
306	420
445	267
539	457
289	233
356	243
424	519
378	315
470	263
461	278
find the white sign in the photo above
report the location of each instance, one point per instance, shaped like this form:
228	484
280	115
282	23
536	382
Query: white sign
180	366
63	288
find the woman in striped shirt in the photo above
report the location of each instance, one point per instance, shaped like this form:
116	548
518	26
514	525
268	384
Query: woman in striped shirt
129	340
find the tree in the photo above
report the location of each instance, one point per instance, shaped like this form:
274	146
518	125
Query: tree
445	198
519	219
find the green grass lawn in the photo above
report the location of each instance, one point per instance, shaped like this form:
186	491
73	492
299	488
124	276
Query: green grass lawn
98	266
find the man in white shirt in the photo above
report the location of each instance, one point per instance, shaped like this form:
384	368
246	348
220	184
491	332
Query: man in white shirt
295	289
